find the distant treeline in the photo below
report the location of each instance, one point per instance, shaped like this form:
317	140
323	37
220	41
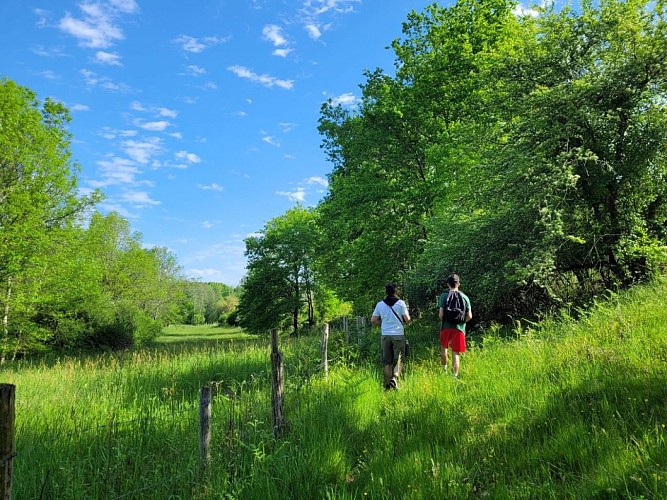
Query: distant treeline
71	277
523	150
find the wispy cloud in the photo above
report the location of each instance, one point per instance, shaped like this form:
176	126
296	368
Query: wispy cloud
142	152
266	80
195	70
138	198
211	187
271	140
196	45
313	31
97	27
156	126
273	33
299	195
79	107
115	171
188	157
50	75
346	99
110	58
317	180
93	80
314	14
318	7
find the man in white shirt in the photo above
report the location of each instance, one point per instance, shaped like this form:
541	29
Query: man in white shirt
391	315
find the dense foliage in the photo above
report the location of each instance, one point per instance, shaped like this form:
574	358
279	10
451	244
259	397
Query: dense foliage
525	153
69	277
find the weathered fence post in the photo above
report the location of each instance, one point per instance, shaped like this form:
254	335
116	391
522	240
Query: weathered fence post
361	327
346	329
205	426
7	392
277	385
325	349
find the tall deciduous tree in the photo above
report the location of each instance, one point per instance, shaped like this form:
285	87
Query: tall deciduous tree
38	199
279	287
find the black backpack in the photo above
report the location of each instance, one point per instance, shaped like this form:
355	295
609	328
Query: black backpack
454	308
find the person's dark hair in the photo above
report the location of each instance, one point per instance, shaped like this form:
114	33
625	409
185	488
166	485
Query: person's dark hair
390	289
453	280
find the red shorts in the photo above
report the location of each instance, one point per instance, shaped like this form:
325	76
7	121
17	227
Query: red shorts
454	338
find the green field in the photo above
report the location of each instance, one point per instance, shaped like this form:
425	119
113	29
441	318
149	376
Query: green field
560	409
188	334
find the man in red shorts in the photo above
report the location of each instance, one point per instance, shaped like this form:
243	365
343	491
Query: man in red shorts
455	312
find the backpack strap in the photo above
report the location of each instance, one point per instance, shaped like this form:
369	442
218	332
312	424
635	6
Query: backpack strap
395	314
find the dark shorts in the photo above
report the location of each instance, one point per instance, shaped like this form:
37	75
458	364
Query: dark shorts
392	346
454	338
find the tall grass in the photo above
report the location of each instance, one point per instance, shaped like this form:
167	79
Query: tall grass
561	409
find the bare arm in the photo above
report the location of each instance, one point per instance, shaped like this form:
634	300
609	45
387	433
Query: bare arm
376	320
441	314
468	315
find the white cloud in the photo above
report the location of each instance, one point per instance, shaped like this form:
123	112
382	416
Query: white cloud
282	52
97	28
157	126
142	152
166	112
521	11
286	126
317	180
266	80
50	75
129	6
110	58
346	99
79	107
196	70
271	140
115	171
93	80
297	196
273	33
189	157
138	198
211	187
196	45
313	31
319	7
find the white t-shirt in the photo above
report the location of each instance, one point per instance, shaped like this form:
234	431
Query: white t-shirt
390	323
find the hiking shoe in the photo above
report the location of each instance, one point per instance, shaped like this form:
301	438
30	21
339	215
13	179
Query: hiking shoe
393	383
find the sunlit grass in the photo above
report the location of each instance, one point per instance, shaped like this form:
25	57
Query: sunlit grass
562	409
201	333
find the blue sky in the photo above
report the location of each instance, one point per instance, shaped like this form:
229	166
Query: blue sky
198	120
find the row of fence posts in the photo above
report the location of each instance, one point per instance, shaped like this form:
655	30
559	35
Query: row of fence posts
7	404
277	386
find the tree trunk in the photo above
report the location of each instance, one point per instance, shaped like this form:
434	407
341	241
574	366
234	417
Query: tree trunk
297	301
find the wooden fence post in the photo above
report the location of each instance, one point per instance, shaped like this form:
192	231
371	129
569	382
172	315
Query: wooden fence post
325	349
361	327
7	415
346	329
205	426
277	385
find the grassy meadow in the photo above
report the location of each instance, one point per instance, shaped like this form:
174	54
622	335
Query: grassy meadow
559	409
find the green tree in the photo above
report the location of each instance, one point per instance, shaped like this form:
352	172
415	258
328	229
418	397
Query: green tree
279	287
39	202
561	178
